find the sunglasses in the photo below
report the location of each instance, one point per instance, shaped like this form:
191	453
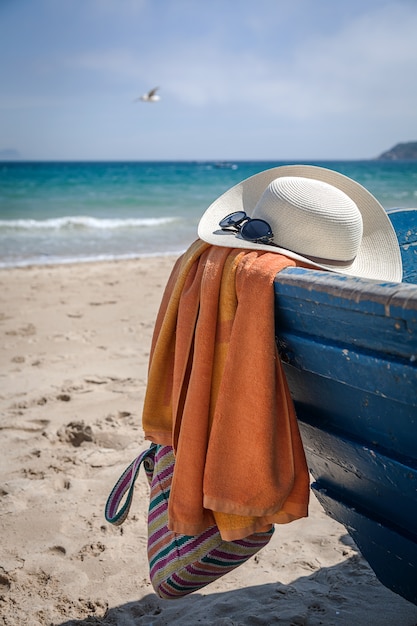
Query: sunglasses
254	230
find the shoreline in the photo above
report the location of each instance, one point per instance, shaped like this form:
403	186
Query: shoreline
74	348
33	264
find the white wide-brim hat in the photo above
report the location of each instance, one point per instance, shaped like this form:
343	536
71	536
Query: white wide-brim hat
316	215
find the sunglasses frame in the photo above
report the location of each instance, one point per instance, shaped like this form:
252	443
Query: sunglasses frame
239	222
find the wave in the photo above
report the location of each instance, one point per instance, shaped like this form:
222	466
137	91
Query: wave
94	258
84	222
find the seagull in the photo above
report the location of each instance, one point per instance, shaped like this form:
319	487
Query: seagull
151	96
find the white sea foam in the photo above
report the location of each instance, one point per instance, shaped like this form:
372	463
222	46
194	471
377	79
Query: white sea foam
84	222
56	260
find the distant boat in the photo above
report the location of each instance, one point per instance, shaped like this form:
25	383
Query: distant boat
349	349
224	165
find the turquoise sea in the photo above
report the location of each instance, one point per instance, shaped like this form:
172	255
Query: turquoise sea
83	211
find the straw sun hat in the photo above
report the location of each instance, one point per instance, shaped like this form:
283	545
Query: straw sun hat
316	215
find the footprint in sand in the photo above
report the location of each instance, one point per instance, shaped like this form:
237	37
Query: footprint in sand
92	549
60	550
5	582
18	359
24	331
75	433
64	397
26	404
32	474
28	425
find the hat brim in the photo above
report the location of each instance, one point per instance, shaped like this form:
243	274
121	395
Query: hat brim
379	255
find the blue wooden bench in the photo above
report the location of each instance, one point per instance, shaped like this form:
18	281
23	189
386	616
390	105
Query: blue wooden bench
349	348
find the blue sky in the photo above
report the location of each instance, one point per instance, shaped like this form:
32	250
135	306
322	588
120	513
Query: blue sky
239	79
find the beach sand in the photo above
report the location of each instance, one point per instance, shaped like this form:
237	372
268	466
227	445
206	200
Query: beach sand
74	352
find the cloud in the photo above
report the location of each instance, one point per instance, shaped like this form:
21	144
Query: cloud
340	66
370	61
367	62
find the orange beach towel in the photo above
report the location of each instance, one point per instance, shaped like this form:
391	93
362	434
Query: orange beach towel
217	393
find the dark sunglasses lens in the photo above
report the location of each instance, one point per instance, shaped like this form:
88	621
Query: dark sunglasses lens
233	219
256	230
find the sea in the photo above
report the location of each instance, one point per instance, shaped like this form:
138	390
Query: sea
73	212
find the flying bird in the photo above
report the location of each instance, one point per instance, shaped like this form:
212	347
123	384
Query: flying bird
151	96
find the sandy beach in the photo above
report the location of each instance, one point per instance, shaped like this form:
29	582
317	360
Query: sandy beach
74	352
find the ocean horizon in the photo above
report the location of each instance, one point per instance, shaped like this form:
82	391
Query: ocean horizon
77	211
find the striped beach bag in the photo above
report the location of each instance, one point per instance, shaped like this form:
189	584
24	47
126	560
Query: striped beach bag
178	564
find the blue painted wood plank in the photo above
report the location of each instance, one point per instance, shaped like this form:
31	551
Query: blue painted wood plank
379	374
348	311
376	420
384	488
392	555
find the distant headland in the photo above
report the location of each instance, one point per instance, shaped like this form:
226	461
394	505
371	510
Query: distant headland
402	151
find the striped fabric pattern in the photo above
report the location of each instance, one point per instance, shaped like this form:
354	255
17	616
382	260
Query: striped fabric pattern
180	564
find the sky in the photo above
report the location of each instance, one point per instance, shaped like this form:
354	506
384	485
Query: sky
238	79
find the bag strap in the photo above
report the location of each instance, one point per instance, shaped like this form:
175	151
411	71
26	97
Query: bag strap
126	483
